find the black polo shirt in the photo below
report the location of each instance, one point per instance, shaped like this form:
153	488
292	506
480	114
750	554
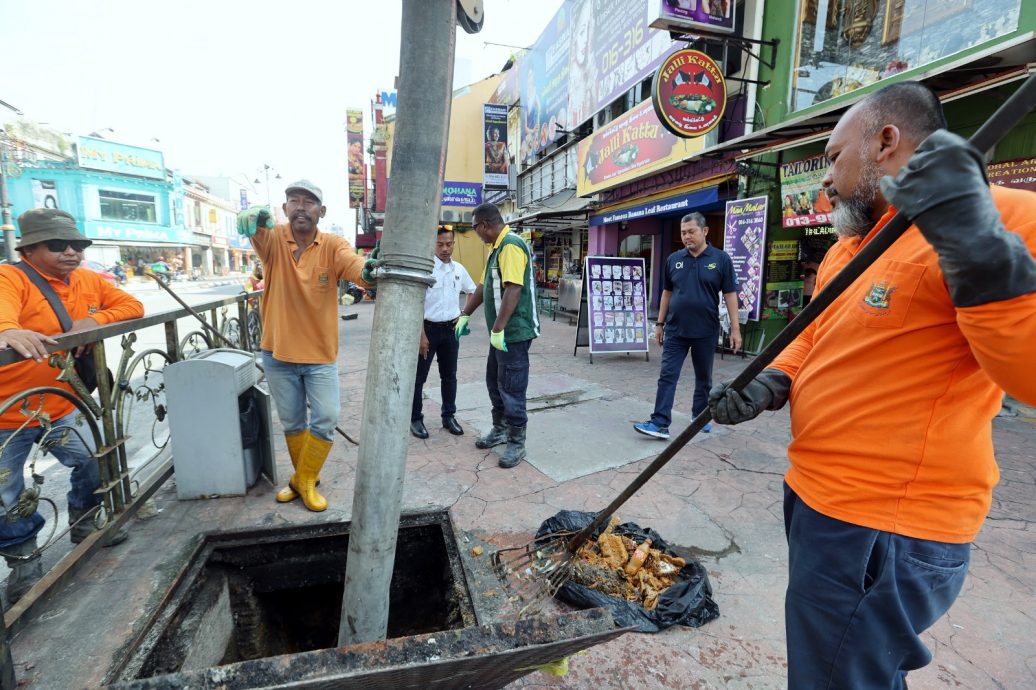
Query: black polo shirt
696	284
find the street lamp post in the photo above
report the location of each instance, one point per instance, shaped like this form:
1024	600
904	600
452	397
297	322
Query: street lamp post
277	176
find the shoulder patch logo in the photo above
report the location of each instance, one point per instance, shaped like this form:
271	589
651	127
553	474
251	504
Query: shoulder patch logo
322	279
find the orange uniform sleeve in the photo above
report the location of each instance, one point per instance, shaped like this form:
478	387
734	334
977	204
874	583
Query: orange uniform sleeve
261	242
11	299
348	264
117	305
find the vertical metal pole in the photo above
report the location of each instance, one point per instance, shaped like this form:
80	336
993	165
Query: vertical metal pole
5	207
418	161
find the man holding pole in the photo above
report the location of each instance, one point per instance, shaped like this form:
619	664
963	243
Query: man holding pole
893	390
302	267
510	304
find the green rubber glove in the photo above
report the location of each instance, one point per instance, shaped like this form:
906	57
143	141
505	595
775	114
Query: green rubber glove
462	326
370	264
496	339
248	222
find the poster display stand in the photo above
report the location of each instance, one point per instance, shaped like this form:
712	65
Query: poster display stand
613	306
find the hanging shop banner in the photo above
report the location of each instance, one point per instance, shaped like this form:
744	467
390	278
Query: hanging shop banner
744	239
1020	173
689	93
357	176
45	194
543	85
695	15
461	193
494	127
629	147
804	202
617	304
101	154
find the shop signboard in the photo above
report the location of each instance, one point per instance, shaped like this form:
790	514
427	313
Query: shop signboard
495	161
616	304
244	199
461	194
354	137
804	202
1020	173
695	15
627	148
744	240
101	154
129	232
689	93
783	281
666	206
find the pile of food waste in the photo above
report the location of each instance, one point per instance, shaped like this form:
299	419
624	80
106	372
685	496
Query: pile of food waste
617	566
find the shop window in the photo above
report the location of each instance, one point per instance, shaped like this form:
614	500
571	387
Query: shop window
845	45
641	246
129	207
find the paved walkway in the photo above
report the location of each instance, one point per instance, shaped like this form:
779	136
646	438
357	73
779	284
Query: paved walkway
719	498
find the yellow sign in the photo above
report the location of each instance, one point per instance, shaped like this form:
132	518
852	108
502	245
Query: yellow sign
630	147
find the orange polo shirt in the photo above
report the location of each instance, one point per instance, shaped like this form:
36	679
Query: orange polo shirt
23	306
300	305
894	389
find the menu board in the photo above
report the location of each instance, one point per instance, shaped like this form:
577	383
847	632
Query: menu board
616	304
744	239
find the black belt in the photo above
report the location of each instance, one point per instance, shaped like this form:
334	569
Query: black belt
440	324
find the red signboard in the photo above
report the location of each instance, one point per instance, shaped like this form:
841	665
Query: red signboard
689	93
1020	173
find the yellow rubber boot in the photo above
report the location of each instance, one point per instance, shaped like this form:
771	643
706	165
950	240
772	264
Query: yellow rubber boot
314	454
296	442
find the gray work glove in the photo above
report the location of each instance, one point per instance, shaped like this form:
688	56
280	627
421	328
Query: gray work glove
944	191
767	391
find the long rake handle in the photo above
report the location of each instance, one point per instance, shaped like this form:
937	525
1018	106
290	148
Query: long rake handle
1016	107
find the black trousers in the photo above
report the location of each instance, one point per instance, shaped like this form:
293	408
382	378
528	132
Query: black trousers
444	347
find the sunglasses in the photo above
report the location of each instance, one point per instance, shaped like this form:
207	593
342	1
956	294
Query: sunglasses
59	246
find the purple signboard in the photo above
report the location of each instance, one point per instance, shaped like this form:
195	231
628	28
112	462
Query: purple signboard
461	193
699	15
744	239
616	303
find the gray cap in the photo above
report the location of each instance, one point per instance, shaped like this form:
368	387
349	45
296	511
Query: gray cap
42	224
307	187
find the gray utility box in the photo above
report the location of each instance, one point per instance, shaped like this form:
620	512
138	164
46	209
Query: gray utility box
219	423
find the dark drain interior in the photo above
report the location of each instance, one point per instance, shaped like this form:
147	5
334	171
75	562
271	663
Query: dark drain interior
266	593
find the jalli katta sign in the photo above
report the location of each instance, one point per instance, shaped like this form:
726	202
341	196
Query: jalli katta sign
689	93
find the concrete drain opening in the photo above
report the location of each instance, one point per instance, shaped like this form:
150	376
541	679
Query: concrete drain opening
260	608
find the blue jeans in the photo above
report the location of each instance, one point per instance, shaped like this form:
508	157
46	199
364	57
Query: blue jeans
294	385
74	451
444	347
674	352
858	599
507	379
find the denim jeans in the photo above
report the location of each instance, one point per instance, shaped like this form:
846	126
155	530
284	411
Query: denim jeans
293	386
674	352
444	347
507	378
74	449
858	599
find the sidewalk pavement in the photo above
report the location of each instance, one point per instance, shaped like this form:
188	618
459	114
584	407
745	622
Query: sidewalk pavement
719	500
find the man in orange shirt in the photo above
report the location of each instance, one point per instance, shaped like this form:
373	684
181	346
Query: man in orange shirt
301	268
51	247
893	390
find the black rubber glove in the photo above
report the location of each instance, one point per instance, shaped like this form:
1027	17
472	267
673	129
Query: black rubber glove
767	391
944	191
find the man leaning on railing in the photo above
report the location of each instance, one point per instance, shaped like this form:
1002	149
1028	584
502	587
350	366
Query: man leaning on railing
52	249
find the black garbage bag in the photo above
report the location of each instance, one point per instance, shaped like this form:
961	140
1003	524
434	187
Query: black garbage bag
687	602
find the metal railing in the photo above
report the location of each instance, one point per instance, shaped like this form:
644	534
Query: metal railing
106	421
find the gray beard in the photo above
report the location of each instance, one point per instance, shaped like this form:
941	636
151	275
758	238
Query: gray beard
852	215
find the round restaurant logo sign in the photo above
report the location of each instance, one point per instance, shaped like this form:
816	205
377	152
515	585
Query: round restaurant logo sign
689	93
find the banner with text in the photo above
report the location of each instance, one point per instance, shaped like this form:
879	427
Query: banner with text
461	193
695	15
494	128
803	200
357	176
744	239
1020	173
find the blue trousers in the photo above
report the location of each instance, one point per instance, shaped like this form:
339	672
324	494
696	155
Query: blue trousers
674	352
507	379
859	598
73	449
444	347
293	386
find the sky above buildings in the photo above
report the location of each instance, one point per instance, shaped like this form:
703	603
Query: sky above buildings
224	87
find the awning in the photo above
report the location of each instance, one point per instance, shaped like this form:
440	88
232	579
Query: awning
563	210
1006	62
